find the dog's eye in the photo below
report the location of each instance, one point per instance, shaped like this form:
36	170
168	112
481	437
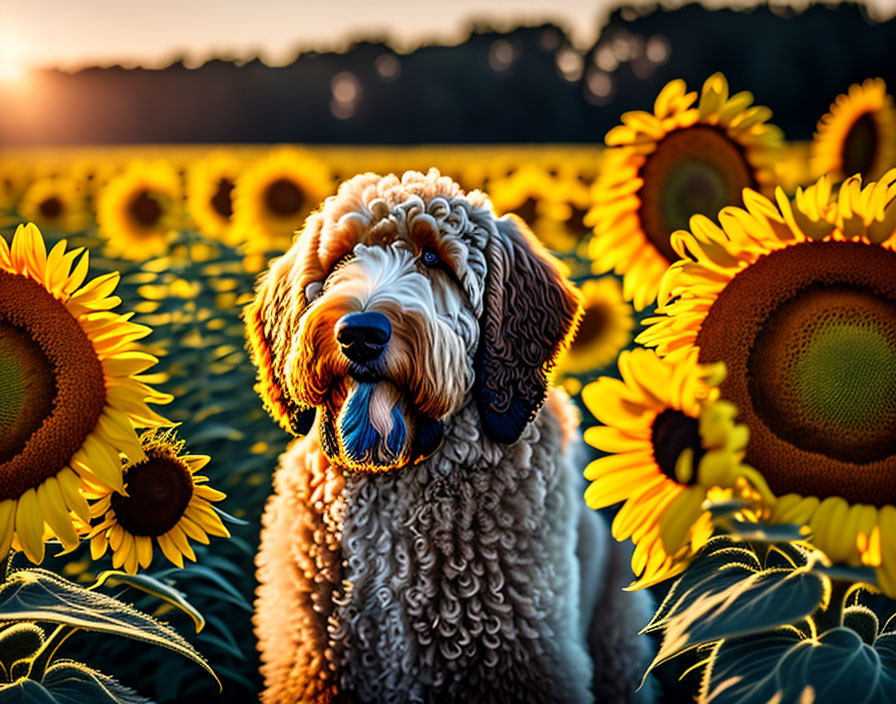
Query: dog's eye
339	263
313	290
430	257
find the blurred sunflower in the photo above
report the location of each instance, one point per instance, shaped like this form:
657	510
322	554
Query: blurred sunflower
55	204
605	328
69	394
521	192
672	445
92	172
799	301
210	184
165	500
140	209
667	165
563	228
857	136
14	179
554	209
273	196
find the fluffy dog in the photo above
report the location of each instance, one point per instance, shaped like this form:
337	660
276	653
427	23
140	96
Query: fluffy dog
427	540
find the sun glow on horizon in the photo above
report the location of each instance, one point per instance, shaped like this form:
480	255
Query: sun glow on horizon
12	67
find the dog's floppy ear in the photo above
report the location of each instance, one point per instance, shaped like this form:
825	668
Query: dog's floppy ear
272	321
530	311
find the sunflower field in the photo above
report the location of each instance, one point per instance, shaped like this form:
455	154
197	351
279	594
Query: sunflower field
735	369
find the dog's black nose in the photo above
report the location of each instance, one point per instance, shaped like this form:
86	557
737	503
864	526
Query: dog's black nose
363	336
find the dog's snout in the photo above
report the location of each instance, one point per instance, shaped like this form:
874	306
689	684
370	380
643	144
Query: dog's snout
363	336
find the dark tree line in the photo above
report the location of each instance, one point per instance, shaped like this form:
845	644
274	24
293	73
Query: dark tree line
794	62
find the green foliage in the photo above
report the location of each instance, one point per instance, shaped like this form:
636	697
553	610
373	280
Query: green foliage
777	624
729	592
781	665
156	588
67	682
36	595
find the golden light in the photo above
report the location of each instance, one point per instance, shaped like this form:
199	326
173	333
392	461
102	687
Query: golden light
12	69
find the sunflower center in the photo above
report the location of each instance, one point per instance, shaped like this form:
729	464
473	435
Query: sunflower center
284	198
222	201
159	491
52	388
145	209
692	170
860	146
50	207
823	373
27	389
808	335
526	210
576	221
672	433
594	324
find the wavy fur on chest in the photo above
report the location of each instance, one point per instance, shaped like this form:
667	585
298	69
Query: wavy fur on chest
454	579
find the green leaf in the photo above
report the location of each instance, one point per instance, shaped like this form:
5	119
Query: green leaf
68	682
722	509
726	592
753	604
216	431
231	593
38	595
227	518
766	532
721	563
155	587
781	666
847	573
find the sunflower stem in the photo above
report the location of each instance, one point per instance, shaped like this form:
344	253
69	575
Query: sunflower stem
6	563
832	617
48	650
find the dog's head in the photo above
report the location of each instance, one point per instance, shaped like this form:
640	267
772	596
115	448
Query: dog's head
399	302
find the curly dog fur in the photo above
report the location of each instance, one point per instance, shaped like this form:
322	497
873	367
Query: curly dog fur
427	540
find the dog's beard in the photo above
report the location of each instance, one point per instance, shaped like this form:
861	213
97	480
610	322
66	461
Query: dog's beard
372	429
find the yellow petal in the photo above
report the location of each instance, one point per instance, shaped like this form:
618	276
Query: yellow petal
55	513
30	526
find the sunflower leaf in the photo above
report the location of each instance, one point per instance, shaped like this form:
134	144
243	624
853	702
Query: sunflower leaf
722	509
68	682
191	571
727	592
782	666
38	595
157	588
723	562
868	575
766	532
227	518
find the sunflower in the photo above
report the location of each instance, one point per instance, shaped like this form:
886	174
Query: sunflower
799	301
210	184
54	203
273	196
14	179
92	172
857	136
553	207
672	445
139	210
69	394
605	328
667	165
163	499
